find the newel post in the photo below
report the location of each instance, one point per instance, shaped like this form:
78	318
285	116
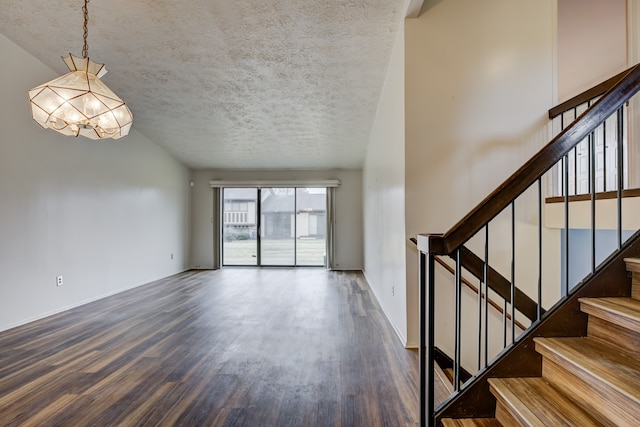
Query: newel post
426	308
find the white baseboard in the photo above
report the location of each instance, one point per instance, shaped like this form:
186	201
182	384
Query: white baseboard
62	309
401	336
75	305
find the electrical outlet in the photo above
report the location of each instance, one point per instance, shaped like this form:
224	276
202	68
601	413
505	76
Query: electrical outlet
393	290
171	256
59	281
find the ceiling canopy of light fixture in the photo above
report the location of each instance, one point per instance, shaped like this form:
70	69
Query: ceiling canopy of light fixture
79	103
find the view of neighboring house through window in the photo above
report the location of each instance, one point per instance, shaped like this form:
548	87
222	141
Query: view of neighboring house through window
287	228
277	232
240	226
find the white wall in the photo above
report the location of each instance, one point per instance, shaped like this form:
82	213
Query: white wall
633	32
385	241
479	82
592	43
348	245
105	215
633	58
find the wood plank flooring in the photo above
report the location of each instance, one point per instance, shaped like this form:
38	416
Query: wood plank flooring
232	347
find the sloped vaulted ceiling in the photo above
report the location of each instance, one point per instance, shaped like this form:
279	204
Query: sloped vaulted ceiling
230	84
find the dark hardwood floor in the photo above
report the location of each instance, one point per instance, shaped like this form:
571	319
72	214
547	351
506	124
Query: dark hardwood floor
232	347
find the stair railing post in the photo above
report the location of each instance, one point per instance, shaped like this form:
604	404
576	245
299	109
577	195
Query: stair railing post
426	352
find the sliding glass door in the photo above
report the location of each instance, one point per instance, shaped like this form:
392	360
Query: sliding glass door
311	226
240	226
288	226
277	226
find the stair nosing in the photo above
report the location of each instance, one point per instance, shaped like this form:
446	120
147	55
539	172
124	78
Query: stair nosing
444	420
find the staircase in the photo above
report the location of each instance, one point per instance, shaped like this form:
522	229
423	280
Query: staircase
576	362
586	381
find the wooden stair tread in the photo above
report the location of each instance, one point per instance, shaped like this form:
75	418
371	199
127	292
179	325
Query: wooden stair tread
608	364
632	261
443	379
471	422
534	402
620	311
442	386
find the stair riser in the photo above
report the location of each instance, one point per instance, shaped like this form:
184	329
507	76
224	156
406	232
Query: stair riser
634	268
621	314
506	417
621	337
603	402
635	286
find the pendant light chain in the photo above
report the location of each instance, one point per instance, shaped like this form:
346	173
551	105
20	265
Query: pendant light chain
85	47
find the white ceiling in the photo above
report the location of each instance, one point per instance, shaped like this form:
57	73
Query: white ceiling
230	83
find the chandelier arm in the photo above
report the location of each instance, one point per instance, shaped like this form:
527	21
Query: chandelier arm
55	122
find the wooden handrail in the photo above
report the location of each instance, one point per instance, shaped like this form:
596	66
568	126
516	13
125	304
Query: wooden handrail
537	166
471	286
587	95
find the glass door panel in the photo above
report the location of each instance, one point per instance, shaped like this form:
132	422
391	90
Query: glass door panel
311	226
277	227
239	226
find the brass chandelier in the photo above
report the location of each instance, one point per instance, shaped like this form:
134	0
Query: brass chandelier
78	103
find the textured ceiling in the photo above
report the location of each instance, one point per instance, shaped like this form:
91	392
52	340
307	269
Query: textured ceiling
230	84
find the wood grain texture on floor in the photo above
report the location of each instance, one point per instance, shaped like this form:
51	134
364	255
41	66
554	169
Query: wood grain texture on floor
231	347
